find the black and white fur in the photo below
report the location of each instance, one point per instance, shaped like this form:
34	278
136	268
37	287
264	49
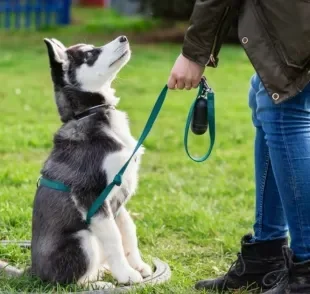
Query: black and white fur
86	155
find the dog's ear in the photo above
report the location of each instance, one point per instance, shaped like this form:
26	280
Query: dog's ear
56	51
57	42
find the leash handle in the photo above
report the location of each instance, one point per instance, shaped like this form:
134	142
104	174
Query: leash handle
205	92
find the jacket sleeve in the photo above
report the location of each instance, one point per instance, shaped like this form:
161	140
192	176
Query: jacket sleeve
209	24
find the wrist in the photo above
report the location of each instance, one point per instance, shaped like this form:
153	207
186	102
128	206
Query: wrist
197	61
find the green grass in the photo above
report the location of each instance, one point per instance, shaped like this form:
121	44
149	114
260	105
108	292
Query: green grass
188	214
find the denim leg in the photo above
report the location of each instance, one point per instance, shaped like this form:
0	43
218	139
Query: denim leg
270	220
287	133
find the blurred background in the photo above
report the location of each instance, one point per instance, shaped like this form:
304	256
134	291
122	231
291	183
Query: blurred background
185	212
135	16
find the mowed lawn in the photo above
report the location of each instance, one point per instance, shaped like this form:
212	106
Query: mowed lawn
188	214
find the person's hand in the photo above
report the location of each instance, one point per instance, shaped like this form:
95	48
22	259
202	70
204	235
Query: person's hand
185	74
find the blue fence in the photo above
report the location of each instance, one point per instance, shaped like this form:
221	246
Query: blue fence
34	13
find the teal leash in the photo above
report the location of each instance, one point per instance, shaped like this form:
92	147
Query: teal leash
118	178
205	95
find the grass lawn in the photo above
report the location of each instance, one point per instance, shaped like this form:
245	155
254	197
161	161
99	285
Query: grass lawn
188	214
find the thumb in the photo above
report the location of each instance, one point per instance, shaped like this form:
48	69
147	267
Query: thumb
171	82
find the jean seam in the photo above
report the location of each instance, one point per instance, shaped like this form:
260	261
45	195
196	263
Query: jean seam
262	193
293	180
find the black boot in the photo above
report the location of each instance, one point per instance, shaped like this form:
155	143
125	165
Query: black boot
248	271
295	278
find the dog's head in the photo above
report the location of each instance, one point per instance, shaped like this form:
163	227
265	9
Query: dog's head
82	73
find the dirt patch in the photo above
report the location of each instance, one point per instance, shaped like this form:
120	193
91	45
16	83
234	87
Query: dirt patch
173	35
161	35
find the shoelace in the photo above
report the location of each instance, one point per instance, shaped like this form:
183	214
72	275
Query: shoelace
234	265
278	276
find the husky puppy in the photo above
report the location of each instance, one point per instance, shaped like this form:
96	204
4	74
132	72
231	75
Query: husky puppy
88	150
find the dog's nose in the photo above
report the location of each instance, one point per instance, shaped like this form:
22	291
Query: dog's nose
123	39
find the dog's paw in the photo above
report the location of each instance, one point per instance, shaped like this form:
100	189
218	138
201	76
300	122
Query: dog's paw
145	270
129	276
99	285
138	264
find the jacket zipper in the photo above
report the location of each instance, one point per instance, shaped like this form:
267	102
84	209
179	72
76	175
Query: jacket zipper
212	54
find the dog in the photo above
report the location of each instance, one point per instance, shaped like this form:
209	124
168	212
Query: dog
88	150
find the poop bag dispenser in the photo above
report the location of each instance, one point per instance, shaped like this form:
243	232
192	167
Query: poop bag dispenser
199	123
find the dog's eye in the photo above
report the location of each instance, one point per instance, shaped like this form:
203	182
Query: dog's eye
88	55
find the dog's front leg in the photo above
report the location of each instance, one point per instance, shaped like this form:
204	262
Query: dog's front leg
130	242
110	239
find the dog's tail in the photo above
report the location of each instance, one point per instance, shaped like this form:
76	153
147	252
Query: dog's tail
10	270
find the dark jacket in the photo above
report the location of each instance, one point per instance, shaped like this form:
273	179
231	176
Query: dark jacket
275	34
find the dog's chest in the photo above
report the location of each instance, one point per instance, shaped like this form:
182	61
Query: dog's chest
121	132
120	127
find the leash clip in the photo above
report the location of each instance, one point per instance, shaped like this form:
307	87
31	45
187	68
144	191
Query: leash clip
205	88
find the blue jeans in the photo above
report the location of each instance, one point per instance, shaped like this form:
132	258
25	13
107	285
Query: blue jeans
282	168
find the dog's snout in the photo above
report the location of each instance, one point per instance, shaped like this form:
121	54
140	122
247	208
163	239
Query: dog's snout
123	39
